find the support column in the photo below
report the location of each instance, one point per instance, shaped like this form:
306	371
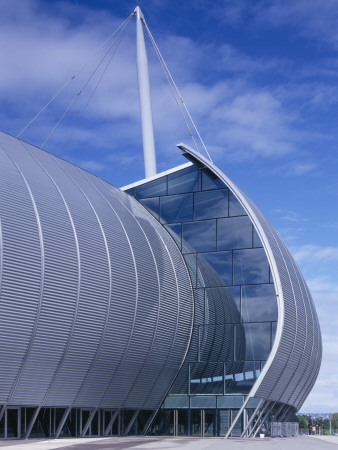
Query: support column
32	422
145	100
89	421
111	422
62	422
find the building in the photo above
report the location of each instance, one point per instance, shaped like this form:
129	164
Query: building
171	306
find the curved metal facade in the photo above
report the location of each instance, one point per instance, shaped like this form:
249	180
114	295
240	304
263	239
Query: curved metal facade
293	364
96	304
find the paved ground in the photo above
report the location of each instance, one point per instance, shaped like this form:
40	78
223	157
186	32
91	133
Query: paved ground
154	443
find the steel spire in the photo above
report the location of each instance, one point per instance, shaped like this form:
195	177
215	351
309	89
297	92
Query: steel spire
145	100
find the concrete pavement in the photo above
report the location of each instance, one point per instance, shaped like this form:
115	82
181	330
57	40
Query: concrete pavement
185	443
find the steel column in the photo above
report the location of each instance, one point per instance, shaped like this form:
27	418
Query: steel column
62	422
32	422
131	423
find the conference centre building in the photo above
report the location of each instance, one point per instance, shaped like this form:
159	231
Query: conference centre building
168	307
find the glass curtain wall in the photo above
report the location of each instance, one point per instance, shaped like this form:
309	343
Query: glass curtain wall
235	300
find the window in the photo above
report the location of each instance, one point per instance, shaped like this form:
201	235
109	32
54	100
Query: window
200	236
210	204
250	266
233	233
176	208
186	180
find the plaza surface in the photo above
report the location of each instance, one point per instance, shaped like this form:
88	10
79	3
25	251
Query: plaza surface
153	443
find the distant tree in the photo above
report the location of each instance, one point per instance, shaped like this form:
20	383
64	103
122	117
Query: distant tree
303	421
325	424
334	421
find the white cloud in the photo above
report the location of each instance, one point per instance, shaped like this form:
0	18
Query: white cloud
315	253
313	19
43	51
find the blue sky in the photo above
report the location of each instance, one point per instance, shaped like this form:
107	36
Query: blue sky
260	80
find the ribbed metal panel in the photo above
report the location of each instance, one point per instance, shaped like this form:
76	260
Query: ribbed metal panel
294	362
96	302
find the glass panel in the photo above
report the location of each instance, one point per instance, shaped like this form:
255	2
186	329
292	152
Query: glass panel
235	291
209	422
152	188
200	236
163	425
176	208
216	343
247	377
257	341
199	306
152	205
175	230
235	232
256	240
250	266
195	422
210	180
223	421
235	208
186	180
211	204
221	304
221	262
237	430
182	422
259	303
206	378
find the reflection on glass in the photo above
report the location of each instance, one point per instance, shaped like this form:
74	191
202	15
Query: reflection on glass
235	208
233	233
211	204
256	241
235	306
201	236
250	266
257	339
199	312
220	307
210	181
221	262
195	422
152	205
186	180
259	303
175	229
176	208
152	188
206	378
235	292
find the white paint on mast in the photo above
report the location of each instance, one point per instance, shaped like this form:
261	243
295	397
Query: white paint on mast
145	101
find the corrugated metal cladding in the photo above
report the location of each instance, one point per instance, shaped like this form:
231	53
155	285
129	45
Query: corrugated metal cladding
96	303
294	368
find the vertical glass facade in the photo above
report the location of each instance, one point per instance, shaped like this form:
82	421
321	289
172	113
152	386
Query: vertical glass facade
235	300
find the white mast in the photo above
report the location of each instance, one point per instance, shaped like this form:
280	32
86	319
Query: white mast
145	101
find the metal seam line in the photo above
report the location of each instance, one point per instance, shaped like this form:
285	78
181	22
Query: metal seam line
42	271
136	281
79	276
109	288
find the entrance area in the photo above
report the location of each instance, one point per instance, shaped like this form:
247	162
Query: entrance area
194	422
